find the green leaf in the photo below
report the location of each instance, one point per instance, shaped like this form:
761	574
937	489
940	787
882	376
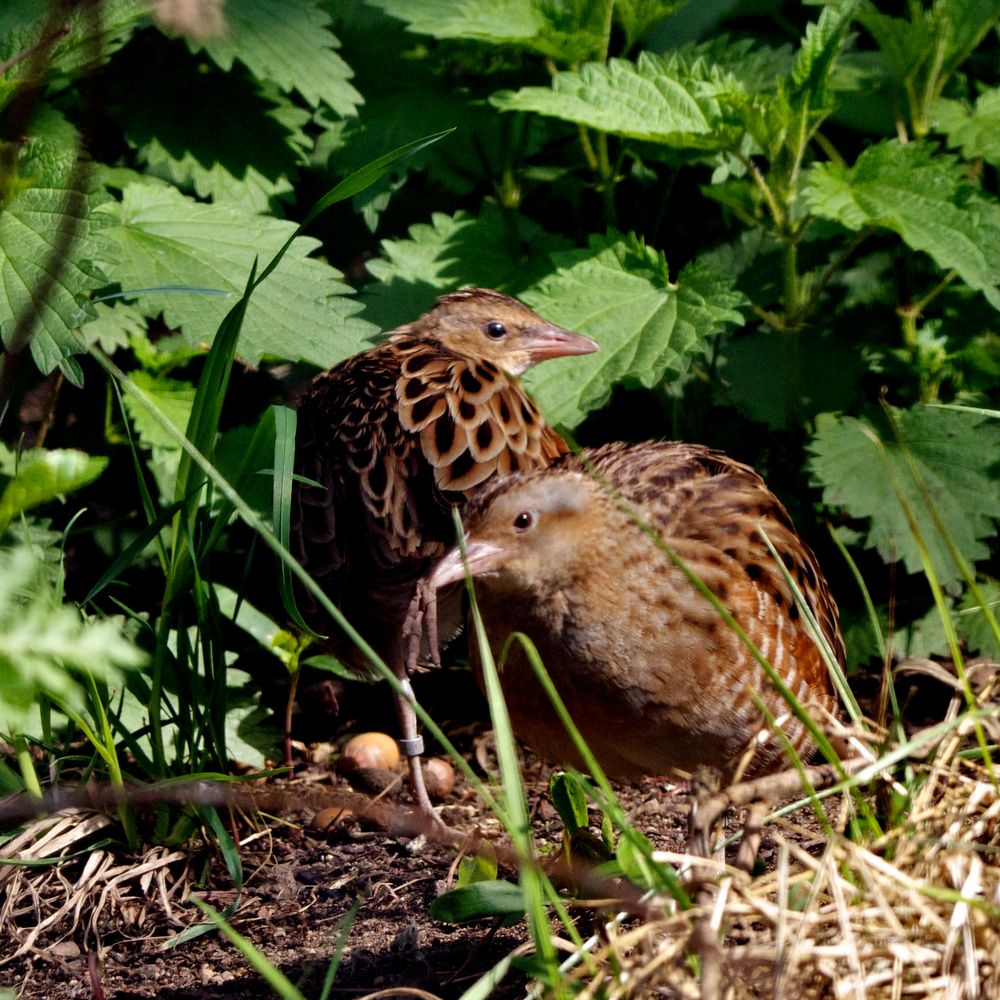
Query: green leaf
618	292
302	312
43	643
452	251
87	35
36	476
570	801
495	899
636	17
418	99
756	372
290	44
323	661
975	131
115	326
925	199
253	621
972	625
174	399
857	462
657	99
927	636
49	238
810	77
479	867
252	733
633	856
219	133
569	31
935	41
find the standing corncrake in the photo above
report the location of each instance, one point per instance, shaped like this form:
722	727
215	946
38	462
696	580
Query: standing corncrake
654	678
396	436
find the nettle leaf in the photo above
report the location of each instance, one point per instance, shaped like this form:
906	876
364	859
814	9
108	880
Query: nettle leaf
925	199
37	476
940	37
115	326
568	31
452	251
636	17
781	123
976	131
173	398
856	462
657	99
618	291
88	36
926	49
219	133
302	312
810	76
290	44
755	370
927	636
416	101
757	67
49	239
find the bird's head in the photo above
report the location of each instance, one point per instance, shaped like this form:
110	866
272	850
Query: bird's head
525	532
481	323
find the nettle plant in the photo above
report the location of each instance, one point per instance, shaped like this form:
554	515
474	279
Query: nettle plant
783	230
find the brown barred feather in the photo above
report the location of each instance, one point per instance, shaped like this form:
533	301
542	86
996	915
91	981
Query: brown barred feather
398	434
649	671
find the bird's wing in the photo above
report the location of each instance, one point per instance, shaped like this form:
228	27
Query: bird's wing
702	501
344	443
471	419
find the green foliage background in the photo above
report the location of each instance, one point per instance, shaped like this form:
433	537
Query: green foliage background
780	221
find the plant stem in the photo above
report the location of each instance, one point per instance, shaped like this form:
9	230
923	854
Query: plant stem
792	291
607	176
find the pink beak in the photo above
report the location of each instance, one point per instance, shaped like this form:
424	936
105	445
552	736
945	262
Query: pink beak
555	342
482	557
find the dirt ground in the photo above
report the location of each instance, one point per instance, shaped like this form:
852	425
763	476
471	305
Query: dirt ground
299	883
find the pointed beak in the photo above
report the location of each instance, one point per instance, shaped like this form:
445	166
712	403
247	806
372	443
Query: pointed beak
481	558
554	342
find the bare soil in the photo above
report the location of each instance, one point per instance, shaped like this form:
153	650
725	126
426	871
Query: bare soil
299	883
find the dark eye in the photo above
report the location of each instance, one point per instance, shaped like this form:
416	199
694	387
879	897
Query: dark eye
524	520
495	330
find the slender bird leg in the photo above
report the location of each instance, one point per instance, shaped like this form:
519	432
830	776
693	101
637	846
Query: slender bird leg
412	744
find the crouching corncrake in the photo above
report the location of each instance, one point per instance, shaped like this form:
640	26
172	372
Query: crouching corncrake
651	673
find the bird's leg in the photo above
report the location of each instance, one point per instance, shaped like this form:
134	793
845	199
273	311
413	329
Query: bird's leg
746	853
412	743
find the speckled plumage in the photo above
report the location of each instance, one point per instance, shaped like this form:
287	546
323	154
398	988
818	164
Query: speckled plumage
397	435
648	669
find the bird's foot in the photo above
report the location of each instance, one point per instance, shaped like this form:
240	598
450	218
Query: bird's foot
420	626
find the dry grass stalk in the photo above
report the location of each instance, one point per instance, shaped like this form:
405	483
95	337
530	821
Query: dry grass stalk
83	897
915	916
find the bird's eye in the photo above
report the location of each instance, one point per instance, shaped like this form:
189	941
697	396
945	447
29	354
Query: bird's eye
524	520
495	330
